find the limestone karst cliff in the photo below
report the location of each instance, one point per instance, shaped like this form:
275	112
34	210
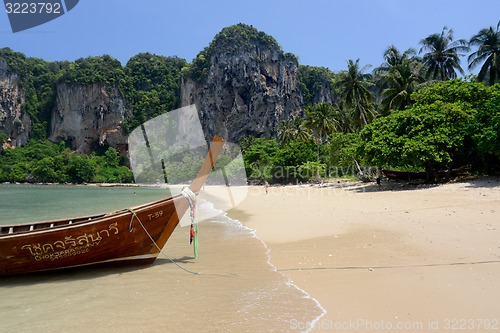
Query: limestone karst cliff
247	84
88	115
242	84
15	123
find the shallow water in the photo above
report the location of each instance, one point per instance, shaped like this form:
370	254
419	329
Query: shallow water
27	203
236	290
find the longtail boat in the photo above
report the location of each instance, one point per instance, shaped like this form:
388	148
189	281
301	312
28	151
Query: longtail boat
403	175
441	174
129	236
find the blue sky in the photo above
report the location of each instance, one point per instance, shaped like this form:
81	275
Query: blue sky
320	32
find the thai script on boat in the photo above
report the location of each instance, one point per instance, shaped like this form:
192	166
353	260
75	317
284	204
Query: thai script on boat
69	246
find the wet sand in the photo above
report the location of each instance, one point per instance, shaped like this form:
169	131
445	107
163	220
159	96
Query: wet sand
403	260
237	290
360	259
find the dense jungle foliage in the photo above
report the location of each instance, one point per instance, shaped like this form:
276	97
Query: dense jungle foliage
412	112
47	162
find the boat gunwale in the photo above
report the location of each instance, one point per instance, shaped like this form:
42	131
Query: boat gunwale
82	221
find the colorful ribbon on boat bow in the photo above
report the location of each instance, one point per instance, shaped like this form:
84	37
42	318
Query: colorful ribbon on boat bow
193	230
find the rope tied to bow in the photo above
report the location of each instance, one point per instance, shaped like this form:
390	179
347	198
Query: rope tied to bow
131	229
193	230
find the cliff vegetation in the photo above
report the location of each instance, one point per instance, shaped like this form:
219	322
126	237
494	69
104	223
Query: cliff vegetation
294	122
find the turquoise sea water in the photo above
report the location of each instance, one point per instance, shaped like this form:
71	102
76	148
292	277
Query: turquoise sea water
27	203
237	290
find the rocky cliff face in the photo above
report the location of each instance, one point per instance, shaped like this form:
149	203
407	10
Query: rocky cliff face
248	85
87	116
14	122
324	94
248	90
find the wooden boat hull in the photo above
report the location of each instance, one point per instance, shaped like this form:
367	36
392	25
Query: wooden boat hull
404	175
128	236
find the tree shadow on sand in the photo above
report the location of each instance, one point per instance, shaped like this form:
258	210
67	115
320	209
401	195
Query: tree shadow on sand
484	182
392	186
401	185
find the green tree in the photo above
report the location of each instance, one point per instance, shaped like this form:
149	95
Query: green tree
485	131
452	124
112	158
488	53
431	137
399	76
155	84
258	155
353	86
312	170
18	172
442	56
402	81
81	169
320	119
474	94
290	157
294	129
44	170
286	129
342	152
393	57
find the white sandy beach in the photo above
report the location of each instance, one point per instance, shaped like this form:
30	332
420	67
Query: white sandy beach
404	260
361	260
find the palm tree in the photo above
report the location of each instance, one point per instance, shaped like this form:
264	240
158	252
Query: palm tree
286	131
393	57
443	55
321	120
353	85
342	118
401	82
294	129
397	78
488	42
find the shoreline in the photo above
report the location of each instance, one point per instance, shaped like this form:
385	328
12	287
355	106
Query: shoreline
380	256
324	182
289	281
336	257
231	287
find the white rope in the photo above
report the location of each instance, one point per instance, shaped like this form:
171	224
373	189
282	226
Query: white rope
191	199
159	249
188	194
389	266
193	231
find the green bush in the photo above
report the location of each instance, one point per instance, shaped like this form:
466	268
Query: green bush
44	161
312	170
452	124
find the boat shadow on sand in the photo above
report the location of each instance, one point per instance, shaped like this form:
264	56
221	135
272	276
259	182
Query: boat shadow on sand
88	273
